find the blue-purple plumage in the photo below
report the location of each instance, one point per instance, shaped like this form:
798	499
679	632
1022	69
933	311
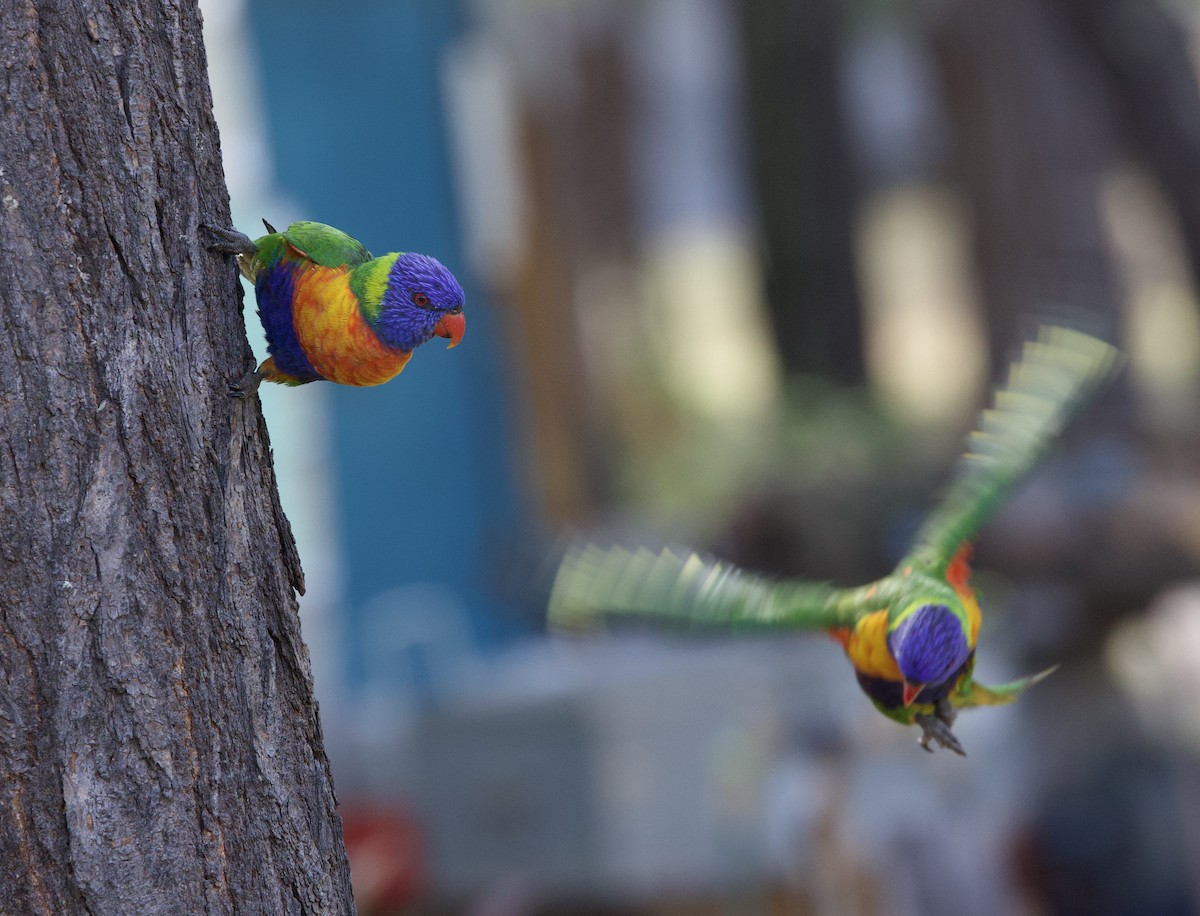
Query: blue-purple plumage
929	644
274	288
400	322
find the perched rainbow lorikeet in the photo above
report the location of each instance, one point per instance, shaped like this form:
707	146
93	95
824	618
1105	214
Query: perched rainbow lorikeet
911	635
332	311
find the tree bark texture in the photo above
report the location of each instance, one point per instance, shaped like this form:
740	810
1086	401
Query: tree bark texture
160	750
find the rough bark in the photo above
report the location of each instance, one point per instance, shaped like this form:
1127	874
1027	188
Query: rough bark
160	750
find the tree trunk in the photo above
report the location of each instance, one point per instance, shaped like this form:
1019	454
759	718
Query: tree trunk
160	750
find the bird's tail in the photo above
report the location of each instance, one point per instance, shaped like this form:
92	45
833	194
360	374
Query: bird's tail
248	266
976	694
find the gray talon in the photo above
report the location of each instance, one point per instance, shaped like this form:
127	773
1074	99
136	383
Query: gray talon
945	711
936	728
246	385
227	241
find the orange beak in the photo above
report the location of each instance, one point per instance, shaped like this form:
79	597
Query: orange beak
452	326
911	691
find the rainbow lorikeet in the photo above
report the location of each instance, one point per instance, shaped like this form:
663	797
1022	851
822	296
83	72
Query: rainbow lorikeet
332	311
911	636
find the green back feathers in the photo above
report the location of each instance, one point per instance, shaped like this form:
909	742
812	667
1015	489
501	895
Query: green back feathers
327	246
908	594
1056	374
322	244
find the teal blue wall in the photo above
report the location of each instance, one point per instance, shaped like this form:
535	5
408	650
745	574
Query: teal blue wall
426	484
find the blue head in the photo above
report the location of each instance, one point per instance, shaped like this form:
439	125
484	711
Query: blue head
422	298
929	645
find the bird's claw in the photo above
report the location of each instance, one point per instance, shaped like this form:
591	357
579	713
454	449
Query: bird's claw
935	729
246	385
227	241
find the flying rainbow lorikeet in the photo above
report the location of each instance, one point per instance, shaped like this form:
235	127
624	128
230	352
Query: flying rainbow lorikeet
332	311
911	636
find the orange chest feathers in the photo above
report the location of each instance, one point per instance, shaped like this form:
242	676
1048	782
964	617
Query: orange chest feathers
333	333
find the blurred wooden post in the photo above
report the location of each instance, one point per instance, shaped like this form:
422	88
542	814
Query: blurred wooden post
579	221
805	183
1031	141
1142	54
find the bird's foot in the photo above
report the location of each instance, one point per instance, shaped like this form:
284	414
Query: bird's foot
227	241
945	711
246	385
935	729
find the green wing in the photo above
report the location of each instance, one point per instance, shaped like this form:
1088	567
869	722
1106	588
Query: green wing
686	589
1055	376
323	244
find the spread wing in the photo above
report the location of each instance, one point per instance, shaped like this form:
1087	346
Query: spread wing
1055	376
685	589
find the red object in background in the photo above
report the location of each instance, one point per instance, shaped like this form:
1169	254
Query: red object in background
387	855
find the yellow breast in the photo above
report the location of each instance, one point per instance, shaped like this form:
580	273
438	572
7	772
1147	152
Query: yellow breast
868	650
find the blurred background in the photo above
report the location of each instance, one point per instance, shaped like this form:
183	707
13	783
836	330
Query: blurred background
739	275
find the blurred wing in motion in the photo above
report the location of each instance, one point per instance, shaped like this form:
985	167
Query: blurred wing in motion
1055	376
686	589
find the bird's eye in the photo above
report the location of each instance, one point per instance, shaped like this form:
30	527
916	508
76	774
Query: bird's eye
420	299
